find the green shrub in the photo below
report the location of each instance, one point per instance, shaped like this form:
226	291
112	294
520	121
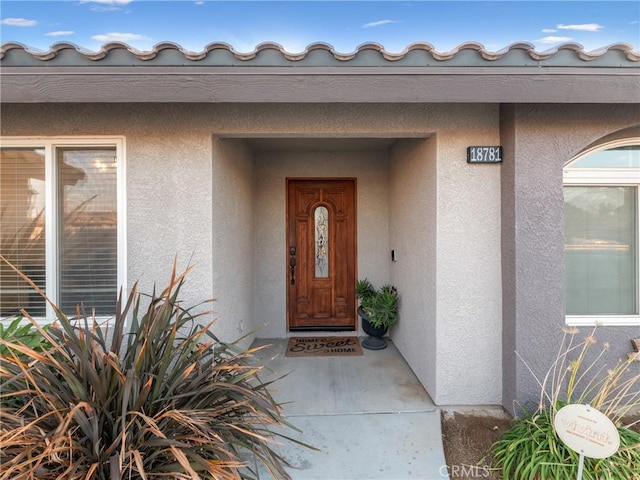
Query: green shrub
24	333
531	450
380	306
163	398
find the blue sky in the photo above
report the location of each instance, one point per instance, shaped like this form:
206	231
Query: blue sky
342	24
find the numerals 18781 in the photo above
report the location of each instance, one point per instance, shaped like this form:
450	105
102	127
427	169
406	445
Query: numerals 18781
484	154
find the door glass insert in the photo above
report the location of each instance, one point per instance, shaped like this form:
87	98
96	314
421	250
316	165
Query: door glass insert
321	219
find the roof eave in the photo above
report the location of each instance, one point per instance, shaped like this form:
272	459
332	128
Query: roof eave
54	84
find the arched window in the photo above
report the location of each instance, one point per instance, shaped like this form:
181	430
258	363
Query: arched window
601	219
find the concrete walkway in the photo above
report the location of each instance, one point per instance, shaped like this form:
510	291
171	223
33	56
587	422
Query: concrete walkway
370	416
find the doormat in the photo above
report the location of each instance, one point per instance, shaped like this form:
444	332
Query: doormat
323	347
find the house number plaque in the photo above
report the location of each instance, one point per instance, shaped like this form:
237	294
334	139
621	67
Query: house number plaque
484	154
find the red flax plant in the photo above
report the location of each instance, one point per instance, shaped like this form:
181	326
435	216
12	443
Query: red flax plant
163	398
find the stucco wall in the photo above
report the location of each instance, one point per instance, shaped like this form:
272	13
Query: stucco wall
220	204
469	267
508	245
167	215
369	167
198	188
445	226
168	212
539	140
233	231
413	216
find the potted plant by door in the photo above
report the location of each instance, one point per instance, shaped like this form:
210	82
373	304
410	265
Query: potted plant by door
378	310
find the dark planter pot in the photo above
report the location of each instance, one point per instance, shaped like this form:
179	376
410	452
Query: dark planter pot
376	340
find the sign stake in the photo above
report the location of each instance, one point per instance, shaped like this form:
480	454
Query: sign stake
580	465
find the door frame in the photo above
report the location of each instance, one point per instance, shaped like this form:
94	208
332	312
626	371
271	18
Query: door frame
288	180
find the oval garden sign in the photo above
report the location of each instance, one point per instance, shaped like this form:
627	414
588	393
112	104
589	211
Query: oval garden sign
587	431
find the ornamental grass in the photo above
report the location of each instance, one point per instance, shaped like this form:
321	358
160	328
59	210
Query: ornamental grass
531	450
149	394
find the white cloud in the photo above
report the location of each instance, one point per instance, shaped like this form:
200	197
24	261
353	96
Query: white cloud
108	2
378	23
549	30
106	5
584	27
199	3
60	33
553	39
118	37
106	8
18	22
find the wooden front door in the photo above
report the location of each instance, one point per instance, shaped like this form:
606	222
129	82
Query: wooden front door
321	253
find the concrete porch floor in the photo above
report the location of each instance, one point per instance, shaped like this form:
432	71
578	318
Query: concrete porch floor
369	415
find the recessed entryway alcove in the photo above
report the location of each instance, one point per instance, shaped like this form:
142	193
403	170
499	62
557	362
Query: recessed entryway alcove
395	205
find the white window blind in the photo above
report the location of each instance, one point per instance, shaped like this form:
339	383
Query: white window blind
22	232
87	186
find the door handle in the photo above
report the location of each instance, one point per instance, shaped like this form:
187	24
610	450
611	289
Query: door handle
292	265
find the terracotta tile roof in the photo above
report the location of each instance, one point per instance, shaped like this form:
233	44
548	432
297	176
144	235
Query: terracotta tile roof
321	54
419	74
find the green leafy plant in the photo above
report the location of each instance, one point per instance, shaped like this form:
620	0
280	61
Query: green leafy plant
150	394
24	333
532	450
380	306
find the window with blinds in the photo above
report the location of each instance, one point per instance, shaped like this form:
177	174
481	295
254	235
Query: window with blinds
60	227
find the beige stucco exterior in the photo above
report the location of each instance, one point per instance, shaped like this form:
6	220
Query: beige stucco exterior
479	247
204	184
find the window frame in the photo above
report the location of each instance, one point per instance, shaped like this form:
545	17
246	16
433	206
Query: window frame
51	145
595	177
